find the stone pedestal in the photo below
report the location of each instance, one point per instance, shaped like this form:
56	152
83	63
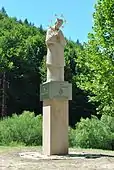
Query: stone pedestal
55	96
55	127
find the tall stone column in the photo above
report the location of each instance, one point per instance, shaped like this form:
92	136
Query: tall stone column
55	94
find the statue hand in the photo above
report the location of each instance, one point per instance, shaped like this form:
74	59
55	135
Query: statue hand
57	35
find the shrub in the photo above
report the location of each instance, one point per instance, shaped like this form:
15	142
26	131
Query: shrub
109	120
25	129
92	133
71	135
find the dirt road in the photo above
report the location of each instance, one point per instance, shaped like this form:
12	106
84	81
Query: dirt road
79	159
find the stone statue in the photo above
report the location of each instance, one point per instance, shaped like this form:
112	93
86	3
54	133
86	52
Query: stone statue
55	62
55	94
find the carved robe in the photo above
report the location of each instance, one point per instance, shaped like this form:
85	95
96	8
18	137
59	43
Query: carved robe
55	48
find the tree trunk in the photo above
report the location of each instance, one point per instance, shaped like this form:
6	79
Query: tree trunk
3	110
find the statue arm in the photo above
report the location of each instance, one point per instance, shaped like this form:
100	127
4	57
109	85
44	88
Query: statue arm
50	37
62	39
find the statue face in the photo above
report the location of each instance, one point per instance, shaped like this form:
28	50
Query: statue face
58	23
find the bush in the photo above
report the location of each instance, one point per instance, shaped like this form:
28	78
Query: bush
71	135
92	133
24	129
109	120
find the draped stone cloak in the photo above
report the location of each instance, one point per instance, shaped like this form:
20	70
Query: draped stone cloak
55	48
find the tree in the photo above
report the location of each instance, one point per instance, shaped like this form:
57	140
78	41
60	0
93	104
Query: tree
21	49
3	11
26	22
95	62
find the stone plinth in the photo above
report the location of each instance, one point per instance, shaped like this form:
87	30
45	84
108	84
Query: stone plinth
55	127
61	90
55	96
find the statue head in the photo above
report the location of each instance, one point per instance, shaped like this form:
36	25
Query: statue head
58	23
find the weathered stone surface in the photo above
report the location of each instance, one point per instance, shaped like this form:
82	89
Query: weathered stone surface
55	127
56	90
55	93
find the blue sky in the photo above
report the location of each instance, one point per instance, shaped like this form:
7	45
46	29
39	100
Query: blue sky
78	14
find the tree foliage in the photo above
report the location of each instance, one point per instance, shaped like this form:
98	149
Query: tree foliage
23	51
22	48
96	61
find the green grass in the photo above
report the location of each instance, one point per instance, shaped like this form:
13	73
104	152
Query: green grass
4	149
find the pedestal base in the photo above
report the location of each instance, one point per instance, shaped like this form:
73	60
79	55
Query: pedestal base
55	127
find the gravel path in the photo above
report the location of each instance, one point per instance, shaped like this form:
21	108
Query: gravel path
32	159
